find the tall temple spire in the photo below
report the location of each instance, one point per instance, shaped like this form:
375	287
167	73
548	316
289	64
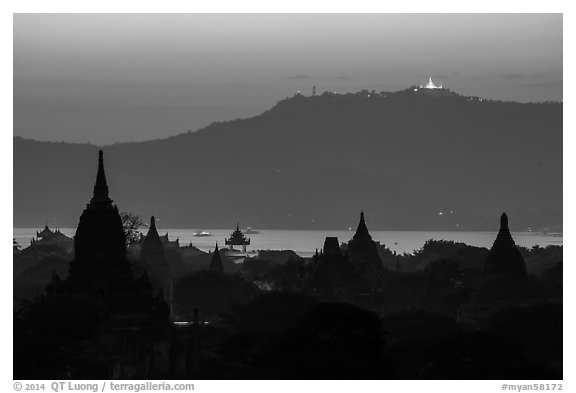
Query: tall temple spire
152	252
101	187
363	251
216	262
504	259
504	223
362	230
504	235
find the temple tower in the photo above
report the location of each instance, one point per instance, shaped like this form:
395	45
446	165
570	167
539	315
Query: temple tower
333	276
504	259
152	253
237	239
363	250
115	317
100	273
216	262
100	235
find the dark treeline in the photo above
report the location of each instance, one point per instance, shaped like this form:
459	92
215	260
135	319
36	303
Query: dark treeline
110	305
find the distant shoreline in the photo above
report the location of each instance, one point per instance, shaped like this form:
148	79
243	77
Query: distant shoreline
305	242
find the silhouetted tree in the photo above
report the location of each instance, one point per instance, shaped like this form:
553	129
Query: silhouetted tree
132	223
16	248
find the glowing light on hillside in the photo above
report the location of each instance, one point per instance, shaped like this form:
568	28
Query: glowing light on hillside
430	85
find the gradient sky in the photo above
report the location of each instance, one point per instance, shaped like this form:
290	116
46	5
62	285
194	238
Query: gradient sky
105	78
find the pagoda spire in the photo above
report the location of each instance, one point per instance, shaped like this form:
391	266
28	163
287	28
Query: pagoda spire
504	223
362	232
504	257
101	186
216	262
152	246
504	236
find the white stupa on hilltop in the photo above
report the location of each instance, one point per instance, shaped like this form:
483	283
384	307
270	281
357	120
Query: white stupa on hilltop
430	85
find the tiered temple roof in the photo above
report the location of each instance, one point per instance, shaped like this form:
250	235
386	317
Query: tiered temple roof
237	238
46	232
47	236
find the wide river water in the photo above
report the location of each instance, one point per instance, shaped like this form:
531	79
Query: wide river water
305	242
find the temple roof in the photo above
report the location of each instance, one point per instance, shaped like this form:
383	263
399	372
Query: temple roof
46	232
237	238
362	230
216	262
152	239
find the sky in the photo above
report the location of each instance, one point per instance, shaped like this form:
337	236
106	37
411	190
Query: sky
107	78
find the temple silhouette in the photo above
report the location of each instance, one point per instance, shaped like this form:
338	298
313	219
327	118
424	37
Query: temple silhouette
100	279
333	276
216	262
152	251
123	328
363	253
237	238
504	259
49	237
504	282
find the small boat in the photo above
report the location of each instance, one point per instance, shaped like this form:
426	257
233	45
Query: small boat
250	231
202	234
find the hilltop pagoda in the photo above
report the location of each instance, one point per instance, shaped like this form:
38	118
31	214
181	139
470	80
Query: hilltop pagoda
237	239
431	85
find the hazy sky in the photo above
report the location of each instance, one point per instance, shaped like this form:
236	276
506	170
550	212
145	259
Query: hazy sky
105	78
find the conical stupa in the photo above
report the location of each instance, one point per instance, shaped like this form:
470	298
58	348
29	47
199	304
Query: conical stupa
504	259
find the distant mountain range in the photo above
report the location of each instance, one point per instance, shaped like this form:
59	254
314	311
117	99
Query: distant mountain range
415	159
